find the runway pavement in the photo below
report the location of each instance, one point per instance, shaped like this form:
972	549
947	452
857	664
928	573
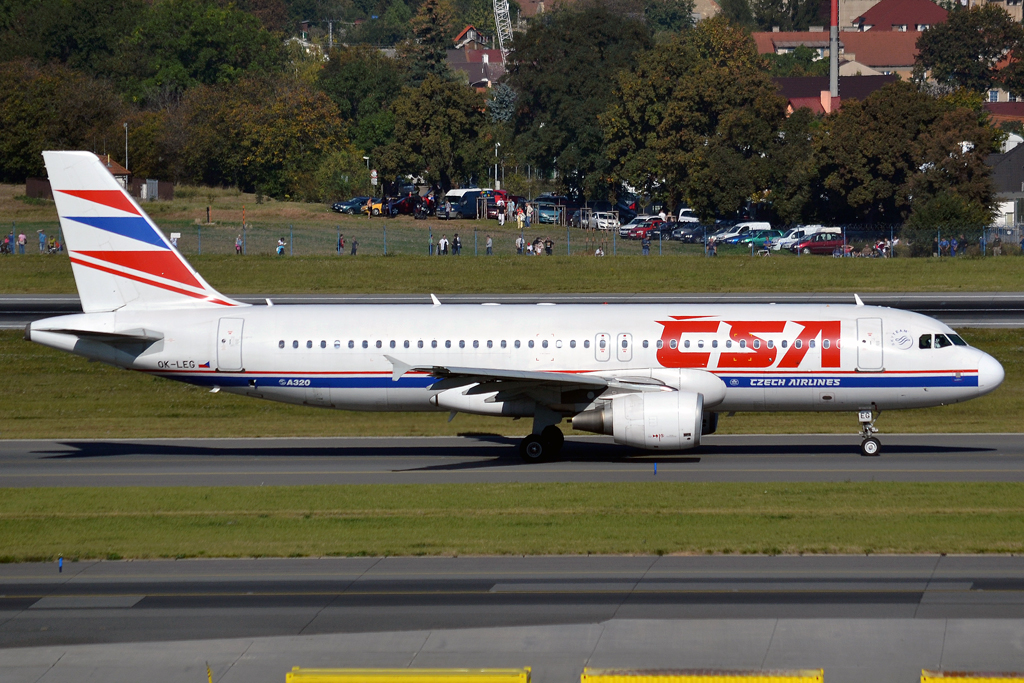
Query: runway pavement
861	618
492	458
958	309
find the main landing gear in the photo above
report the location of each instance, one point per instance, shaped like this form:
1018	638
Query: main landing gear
869	446
546	441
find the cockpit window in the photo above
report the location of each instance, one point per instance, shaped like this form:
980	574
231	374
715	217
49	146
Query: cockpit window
957	339
942	341
925	342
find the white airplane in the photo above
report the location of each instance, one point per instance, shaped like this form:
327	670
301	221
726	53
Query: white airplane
652	376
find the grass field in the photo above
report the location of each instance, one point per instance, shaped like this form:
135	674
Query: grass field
49	394
496	519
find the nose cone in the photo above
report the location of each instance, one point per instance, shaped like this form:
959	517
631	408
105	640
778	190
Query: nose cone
990	373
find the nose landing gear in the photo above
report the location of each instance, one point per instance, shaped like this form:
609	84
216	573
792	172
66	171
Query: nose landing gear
869	446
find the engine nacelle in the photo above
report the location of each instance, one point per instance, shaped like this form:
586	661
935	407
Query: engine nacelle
657	420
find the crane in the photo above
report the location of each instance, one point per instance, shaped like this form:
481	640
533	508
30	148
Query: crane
503	23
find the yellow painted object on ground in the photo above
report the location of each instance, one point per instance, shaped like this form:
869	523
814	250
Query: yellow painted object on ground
299	675
970	677
700	676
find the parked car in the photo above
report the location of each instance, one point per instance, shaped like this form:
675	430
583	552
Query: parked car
549	213
761	239
799	234
819	243
352	206
465	207
403	205
734	232
687	215
645	229
374	206
625	228
604	220
690	232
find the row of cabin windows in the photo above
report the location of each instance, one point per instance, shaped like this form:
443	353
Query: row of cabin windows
602	344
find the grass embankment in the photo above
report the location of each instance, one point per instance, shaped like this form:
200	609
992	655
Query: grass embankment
499	519
511	274
52	394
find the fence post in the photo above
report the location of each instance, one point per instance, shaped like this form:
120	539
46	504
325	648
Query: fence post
245	239
199	240
615	234
568	246
385	238
291	240
660	236
938	242
430	240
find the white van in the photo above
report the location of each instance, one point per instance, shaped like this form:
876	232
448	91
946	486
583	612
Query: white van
741	229
687	215
800	233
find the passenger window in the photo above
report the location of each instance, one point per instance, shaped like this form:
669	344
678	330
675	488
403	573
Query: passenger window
686	343
558	344
517	343
530	343
309	343
784	343
603	344
433	344
447	343
502	343
925	342
572	343
743	343
825	343
366	344
625	344
672	343
419	344
337	343
728	343
714	343
392	343
405	344
941	341
771	343
757	343
295	343
645	343
811	344
544	343
957	339
586	343
462	343
280	344
700	344
323	344
351	343
490	344
798	344
379	344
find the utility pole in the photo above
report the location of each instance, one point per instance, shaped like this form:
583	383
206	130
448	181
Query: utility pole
833	51
126	145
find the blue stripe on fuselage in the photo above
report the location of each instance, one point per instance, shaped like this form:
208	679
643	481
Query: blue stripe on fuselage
849	381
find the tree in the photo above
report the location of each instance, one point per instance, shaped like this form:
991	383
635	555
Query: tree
737	12
502	103
803	61
432	36
51	107
561	76
259	134
363	82
668	15
341	174
794	179
965	49
184	43
695	119
946	213
788	15
440	132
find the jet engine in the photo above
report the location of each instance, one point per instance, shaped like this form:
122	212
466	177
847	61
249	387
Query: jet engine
661	420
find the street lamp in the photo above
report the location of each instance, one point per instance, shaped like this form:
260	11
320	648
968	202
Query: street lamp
496	146
367	160
126	145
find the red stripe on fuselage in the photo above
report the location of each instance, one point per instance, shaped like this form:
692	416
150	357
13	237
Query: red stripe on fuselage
163	263
113	199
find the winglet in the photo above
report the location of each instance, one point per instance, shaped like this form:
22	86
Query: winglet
435	300
856	297
398	368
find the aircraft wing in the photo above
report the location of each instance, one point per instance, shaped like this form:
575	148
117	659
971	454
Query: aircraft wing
450	377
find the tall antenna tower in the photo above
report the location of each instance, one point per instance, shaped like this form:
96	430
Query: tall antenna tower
503	23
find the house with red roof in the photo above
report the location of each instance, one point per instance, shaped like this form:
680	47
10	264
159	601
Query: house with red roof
901	15
883	52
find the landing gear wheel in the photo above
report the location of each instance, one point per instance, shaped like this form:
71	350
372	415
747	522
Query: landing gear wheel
534	449
554	437
869	447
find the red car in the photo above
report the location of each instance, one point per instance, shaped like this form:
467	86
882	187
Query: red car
645	229
819	243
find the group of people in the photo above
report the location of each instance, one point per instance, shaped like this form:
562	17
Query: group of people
950	246
47	245
455	246
535	248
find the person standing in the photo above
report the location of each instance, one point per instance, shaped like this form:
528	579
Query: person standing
520	242
355	246
341	243
549	246
519	220
529	214
442	246
42	241
280	246
238	245
645	244
21	242
456	245
501	215
490	246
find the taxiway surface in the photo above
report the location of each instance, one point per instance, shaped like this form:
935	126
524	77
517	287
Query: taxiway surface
493	458
861	618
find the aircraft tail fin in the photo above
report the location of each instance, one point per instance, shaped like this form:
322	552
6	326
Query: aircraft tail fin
120	259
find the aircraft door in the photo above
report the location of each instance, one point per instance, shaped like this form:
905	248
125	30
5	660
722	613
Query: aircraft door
869	343
229	344
624	347
602	346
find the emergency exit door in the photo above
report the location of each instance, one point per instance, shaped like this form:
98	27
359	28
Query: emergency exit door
869	343
602	346
229	344
624	347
